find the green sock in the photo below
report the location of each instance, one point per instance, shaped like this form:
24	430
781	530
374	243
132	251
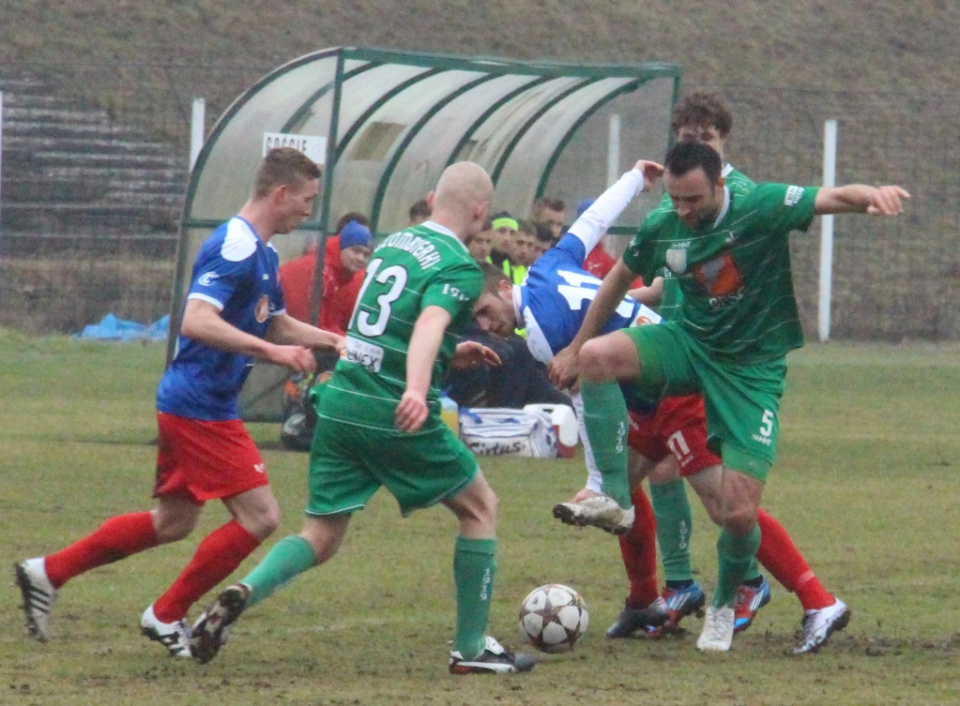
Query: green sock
674	520
288	558
474	566
734	555
605	418
753	571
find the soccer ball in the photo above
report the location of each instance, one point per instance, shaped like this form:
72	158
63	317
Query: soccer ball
553	617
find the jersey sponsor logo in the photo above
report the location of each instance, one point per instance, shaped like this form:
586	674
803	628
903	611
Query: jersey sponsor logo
262	312
677	260
366	354
793	195
720	279
207	279
259	468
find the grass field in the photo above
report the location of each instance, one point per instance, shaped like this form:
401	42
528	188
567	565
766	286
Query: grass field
866	482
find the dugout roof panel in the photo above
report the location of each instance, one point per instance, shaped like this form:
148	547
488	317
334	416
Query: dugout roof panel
393	121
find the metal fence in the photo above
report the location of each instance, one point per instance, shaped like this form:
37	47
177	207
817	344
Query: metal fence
61	267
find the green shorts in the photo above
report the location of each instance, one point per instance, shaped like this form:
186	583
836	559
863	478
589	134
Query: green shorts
742	401
348	463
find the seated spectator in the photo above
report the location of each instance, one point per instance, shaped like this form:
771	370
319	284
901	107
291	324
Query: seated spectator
504	230
345	260
550	212
481	244
522	252
544	240
419	212
519	379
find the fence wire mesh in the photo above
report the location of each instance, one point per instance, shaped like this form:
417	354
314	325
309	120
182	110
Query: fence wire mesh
92	192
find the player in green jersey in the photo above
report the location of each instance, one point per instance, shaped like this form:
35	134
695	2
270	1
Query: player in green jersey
737	321
379	423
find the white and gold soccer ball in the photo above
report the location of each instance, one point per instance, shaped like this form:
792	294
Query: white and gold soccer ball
553	617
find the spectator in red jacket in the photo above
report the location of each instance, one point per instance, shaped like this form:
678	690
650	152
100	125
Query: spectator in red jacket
345	260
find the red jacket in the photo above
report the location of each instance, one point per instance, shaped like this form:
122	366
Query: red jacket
340	288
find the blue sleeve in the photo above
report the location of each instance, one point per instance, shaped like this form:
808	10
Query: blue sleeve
215	279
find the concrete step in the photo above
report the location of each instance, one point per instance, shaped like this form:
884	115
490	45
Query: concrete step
72	190
74	143
67	218
22	85
43	159
52	128
59	114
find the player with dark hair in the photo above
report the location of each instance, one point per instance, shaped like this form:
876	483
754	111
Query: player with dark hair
234	314
416	299
737	321
550	211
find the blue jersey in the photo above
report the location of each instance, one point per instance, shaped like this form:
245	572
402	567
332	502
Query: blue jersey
552	302
238	273
554	298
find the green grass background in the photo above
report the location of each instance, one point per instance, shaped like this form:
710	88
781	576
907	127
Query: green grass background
866	483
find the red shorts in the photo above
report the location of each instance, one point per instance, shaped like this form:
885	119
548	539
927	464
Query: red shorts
204	461
678	427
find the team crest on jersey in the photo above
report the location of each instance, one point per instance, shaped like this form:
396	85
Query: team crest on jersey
262	312
677	260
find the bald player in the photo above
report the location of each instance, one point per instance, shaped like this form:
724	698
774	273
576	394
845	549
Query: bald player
379	423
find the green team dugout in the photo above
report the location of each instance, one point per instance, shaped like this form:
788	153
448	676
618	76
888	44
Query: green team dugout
385	124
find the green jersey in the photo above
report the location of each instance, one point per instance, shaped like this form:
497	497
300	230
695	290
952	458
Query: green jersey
426	265
734	274
739	184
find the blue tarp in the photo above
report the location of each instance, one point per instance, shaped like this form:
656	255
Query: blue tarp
111	328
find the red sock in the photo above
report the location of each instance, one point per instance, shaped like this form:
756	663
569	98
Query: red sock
115	539
639	550
780	556
217	556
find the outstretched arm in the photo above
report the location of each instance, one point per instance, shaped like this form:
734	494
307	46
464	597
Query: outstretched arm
202	322
594	222
285	329
860	198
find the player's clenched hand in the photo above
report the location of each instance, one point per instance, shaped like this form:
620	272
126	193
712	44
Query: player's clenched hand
411	412
471	353
297	358
887	201
564	368
651	172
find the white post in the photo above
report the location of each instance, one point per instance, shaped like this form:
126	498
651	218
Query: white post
826	231
197	129
1	153
613	150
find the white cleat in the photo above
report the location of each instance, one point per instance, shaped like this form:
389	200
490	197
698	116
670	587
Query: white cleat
597	511
717	634
38	594
174	636
819	625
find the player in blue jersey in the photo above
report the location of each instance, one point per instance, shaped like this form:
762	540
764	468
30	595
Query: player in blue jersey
234	314
550	304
